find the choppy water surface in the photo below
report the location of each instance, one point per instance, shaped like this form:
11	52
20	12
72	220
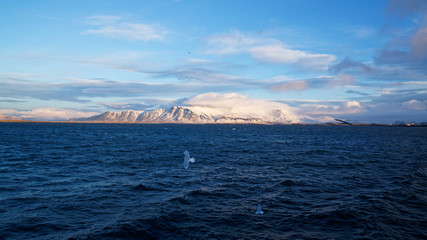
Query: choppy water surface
127	181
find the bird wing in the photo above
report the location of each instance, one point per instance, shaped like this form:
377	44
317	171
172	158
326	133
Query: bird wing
259	211
186	164
186	155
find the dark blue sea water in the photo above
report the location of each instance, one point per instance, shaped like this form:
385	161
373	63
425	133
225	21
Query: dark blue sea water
127	181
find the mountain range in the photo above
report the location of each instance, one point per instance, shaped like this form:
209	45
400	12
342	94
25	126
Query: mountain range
192	114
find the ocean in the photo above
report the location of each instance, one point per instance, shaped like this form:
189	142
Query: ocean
127	181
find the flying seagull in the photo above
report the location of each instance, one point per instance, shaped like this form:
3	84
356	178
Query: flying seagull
187	159
259	211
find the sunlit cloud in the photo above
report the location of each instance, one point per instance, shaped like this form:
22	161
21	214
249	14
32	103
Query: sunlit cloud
349	107
415	105
115	27
327	110
245	106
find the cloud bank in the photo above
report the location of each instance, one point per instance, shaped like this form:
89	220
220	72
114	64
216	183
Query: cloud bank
300	112
233	103
48	113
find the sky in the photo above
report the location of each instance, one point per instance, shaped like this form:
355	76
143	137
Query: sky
363	61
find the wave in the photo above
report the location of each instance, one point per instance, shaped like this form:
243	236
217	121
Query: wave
143	187
326	183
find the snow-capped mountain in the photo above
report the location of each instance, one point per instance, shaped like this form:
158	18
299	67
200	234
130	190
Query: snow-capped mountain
192	114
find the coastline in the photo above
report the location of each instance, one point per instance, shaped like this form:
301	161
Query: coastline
192	123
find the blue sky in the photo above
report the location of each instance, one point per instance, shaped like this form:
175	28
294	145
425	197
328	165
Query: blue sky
365	61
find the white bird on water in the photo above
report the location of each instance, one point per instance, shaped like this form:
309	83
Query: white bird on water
187	159
259	211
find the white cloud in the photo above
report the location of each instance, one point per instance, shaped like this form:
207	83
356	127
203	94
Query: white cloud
268	50
279	54
241	105
349	107
359	31
114	27
234	42
48	113
102	19
352	107
322	119
415	105
204	75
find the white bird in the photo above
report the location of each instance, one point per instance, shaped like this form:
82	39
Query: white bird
259	211
187	159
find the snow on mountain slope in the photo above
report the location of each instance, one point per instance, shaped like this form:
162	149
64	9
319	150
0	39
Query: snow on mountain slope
179	114
210	108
